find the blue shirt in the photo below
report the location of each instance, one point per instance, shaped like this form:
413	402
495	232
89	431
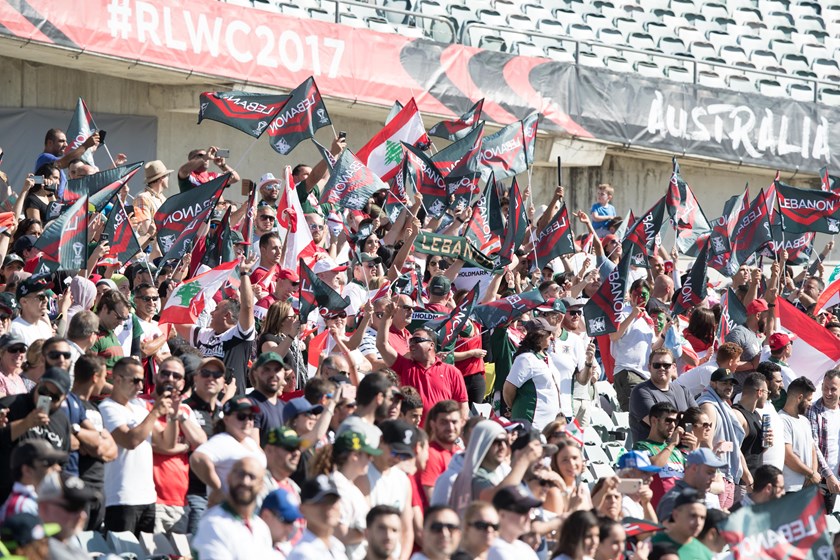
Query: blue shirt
75	411
598	210
49	158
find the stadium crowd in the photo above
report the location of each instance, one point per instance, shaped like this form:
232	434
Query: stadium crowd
351	432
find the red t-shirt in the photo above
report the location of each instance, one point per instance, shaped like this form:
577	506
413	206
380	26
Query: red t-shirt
439	382
398	339
171	473
470	366
439	458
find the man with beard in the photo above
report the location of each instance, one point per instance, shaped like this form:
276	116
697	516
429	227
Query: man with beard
232	529
801	466
728	433
196	171
753	397
268	380
824	416
317	228
374	397
269	188
55	142
775	454
444	423
382	532
441	534
661	444
759	320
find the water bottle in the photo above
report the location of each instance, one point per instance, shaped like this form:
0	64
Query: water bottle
765	428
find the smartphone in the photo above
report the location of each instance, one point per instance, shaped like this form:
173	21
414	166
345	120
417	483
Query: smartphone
38	179
578	479
223	152
247	185
628	486
102	134
342	134
689	427
103	238
44	403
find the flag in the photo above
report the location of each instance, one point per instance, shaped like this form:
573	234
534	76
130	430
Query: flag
494	207
720	248
420	171
815	350
799	246
829	182
302	115
634	526
462	189
179	217
452	247
478	230
395	109
66	237
450	326
502	153
751	233
81	128
456	129
694	288
315	293
351	183
732	313
805	210
574	431
187	301
686	215
218	246
830	296
99	200
299	242
529	136
92	184
792	527
603	311
459	157
247	228
641	238
249	112
383	153
408	283
556	239
315	347
7	221
501	311
122	241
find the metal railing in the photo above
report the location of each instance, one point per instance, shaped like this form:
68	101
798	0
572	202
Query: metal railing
387	9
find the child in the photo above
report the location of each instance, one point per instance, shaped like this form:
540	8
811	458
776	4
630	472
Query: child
602	211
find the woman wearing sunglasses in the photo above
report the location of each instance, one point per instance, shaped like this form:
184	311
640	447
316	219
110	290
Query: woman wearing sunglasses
12	354
279	334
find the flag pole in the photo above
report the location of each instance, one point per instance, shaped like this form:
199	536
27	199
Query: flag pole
246	152
531	203
107	151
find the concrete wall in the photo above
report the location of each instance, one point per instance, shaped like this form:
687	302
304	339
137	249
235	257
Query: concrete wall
638	179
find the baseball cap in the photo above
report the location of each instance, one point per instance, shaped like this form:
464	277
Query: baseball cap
283	437
279	503
28	451
508	425
526	437
298	406
316	490
637	460
439	285
23	243
354	441
515	499
688	496
327	265
267	357
723	374
757	306
608	239
778	340
206	362
268	179
240	404
367	257
399	435
31	285
289	275
24	528
12	258
554	305
236	238
704	456
10	339
538	325
8	302
58	377
573	302
69	491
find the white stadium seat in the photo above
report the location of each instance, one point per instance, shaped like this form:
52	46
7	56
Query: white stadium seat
649	69
770	88
679	74
741	83
710	79
618	63
801	92
830	96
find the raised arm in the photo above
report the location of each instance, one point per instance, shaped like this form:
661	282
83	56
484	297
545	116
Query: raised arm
246	295
389	355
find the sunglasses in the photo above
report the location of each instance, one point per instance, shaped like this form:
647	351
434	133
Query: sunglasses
168	373
268	217
148	298
379	314
244	416
214	373
17	350
438	527
43	391
574	312
120	317
705	425
501	441
545	483
56	354
661	365
418	340
401	456
350	405
315	227
484	525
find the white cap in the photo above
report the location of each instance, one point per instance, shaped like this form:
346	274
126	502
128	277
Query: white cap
327	265
266	179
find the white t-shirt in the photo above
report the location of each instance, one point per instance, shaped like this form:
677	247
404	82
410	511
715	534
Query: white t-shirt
797	433
311	547
151	330
632	350
224	450
354	508
567	356
222	535
503	550
774	455
30	332
832	430
128	478
528	367
697	379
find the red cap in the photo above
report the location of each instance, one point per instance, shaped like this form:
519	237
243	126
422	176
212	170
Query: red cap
608	238
778	340
757	306
289	275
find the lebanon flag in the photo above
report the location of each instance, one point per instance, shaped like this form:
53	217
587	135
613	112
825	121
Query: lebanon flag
351	183
81	128
300	117
187	301
694	288
299	243
732	313
556	239
829	297
123	242
383	153
805	210
460	127
249	112
501	311
815	350
604	310
450	326
93	184
66	237
575	431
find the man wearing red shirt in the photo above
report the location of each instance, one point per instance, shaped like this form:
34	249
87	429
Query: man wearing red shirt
422	369
444	423
197	169
397	330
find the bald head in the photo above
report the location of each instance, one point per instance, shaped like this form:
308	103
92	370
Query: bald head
663	287
245	482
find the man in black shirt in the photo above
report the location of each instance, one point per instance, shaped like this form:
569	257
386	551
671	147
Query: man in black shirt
268	379
26	421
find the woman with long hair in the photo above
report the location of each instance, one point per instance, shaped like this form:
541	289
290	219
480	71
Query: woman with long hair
37	202
579	537
279	334
572	494
612	540
28	226
346	460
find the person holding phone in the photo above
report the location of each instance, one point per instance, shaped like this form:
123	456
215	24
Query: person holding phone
662	444
56	153
197	169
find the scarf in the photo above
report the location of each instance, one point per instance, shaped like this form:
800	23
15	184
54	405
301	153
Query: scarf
727	428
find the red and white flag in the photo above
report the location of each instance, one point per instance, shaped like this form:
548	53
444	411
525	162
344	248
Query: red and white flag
187	301
574	431
383	154
829	297
815	350
299	244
